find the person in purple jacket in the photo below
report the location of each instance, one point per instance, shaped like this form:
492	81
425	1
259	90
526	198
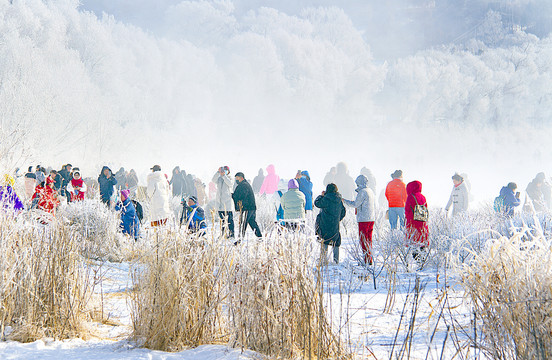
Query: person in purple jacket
8	198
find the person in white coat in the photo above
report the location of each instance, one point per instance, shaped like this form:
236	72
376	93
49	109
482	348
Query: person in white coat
158	192
459	197
224	204
365	206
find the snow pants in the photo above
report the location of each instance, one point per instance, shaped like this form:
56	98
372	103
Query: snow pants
365	231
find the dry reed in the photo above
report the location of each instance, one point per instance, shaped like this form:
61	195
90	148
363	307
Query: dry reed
43	282
264	296
179	292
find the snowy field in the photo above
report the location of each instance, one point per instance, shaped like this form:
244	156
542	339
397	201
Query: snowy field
429	87
396	308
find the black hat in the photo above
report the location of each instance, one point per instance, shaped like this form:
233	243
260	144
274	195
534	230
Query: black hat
193	198
156	168
240	174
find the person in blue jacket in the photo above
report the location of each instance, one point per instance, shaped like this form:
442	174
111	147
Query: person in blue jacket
193	215
509	199
107	182
130	224
305	186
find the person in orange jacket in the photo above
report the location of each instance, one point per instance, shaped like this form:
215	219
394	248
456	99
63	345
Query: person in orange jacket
395	192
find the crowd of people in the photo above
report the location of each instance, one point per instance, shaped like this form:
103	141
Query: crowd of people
407	206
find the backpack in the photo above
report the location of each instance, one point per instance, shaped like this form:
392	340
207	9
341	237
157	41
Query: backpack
139	210
420	212
498	204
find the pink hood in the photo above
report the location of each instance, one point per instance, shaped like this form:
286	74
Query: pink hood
270	183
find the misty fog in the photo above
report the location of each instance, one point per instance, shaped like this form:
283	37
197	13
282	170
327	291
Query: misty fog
425	86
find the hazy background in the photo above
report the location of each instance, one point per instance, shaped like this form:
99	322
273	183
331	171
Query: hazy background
430	87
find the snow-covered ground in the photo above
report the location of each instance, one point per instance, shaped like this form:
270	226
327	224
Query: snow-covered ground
373	321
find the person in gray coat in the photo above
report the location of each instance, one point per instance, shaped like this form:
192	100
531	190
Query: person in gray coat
223	199
365	206
459	197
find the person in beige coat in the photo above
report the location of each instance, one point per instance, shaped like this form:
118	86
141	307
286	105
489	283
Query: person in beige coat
158	192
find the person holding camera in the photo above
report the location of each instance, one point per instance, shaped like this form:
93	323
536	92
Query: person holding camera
193	216
508	199
223	199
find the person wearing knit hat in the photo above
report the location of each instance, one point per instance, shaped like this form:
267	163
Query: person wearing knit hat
293	204
125	194
193	216
130	223
365	206
395	192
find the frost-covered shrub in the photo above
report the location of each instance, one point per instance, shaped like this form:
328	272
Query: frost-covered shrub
44	284
266	211
510	286
98	228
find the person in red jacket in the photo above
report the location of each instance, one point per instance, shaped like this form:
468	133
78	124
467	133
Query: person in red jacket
45	198
76	186
417	232
395	192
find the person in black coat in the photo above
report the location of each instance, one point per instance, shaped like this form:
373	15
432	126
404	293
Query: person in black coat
107	181
244	201
331	213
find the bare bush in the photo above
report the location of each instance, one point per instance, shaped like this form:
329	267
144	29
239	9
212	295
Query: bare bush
98	227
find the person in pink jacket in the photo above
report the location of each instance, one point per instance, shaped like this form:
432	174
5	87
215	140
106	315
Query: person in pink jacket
270	183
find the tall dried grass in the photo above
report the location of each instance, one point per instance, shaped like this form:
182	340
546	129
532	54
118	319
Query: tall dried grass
179	292
264	295
43	282
510	285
